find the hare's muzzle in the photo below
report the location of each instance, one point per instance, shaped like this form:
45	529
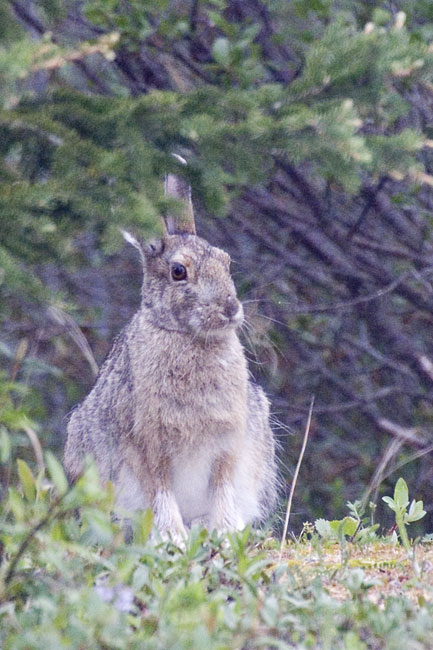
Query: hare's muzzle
215	318
231	307
233	311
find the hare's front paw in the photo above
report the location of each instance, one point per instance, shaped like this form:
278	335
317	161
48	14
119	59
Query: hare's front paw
227	522
167	518
176	535
226	516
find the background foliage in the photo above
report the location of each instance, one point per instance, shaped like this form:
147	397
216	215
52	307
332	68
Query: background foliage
308	131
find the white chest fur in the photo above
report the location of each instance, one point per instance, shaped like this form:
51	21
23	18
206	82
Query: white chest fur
191	474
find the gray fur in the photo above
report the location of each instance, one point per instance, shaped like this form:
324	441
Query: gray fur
173	419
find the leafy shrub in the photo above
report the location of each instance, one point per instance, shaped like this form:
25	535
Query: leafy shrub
71	581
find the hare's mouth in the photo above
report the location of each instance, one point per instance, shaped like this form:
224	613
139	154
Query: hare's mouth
232	321
216	322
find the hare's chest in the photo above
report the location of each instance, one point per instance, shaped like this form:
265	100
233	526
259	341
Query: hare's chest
212	384
206	397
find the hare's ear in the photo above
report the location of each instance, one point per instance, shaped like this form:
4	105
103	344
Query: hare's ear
130	239
177	188
153	248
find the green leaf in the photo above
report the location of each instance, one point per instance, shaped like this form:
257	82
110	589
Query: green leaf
353	642
27	480
16	504
140	577
143	526
57	473
391	503
57	531
99	526
5	446
221	51
324	529
401	494
347	526
381	16
415	513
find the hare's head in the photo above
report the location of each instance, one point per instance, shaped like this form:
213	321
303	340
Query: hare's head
187	283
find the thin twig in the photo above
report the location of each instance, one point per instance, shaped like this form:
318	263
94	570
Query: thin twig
30	535
295	476
381	475
391	451
68	323
306	309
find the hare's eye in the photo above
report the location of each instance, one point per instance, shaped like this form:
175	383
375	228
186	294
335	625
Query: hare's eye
178	271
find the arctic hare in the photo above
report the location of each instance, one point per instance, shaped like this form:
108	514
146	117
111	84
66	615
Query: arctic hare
174	420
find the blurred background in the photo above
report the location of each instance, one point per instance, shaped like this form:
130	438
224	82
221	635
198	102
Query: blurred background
307	126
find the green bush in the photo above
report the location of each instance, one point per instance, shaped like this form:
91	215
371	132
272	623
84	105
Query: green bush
71	581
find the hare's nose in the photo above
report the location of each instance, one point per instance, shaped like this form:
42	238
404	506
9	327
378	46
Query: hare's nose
231	307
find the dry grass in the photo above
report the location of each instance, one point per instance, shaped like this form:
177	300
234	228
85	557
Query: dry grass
386	567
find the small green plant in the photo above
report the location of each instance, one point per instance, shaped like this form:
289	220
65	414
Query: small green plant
353	526
403	517
336	529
